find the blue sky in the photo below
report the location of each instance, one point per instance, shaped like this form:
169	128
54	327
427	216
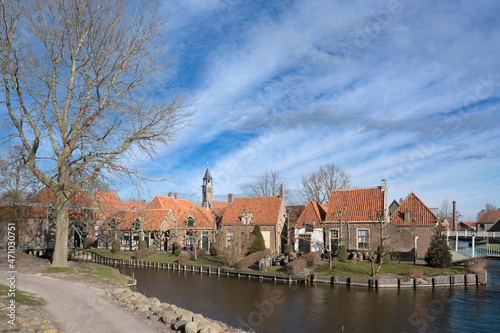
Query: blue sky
406	91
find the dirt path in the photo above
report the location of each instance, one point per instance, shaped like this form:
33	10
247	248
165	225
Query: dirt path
77	308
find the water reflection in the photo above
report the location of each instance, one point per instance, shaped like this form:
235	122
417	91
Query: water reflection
279	307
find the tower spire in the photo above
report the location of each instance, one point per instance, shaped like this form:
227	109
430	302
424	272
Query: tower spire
207	190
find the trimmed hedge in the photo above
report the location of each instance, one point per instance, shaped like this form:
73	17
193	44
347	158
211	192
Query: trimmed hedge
288	248
115	246
302	262
214	249
342	253
176	249
143	244
250	259
141	254
87	243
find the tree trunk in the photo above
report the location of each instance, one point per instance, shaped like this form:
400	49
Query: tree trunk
60	257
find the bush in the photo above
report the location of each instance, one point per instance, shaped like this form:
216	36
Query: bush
143	253
476	265
383	255
184	258
299	264
176	249
438	255
342	253
115	246
214	249
288	248
87	243
258	243
201	253
143	244
250	259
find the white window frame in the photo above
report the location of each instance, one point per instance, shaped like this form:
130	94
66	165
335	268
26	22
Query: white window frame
358	239
230	238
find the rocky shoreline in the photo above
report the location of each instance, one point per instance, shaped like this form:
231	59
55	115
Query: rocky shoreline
177	318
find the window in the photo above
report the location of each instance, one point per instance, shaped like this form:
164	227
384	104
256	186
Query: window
363	238
112	224
137	225
189	241
190	222
334	239
126	238
230	239
309	228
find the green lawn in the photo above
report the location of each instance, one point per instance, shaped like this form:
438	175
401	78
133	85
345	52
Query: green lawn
20	297
115	255
91	272
363	269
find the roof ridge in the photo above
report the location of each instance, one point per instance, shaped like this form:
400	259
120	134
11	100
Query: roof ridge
357	188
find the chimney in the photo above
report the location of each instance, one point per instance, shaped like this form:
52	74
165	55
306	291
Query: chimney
454	216
282	192
386	201
169	194
230	198
176	196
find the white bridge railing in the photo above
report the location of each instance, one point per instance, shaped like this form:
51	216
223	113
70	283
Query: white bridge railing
470	234
484	250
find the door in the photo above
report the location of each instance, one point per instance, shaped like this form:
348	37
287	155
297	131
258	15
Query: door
204	240
305	243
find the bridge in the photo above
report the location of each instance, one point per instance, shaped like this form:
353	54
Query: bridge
482	250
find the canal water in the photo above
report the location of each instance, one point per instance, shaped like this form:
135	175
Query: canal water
278	307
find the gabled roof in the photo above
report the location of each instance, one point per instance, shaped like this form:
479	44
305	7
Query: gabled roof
360	204
294	213
264	210
418	212
469	225
167	210
489	217
314	214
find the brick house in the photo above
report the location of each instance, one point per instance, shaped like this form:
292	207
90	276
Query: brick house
242	214
356	216
309	229
416	224
487	220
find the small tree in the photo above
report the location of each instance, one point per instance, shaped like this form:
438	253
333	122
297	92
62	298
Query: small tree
87	243
258	243
115	246
438	254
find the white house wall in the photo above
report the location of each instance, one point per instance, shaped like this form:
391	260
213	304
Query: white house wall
316	239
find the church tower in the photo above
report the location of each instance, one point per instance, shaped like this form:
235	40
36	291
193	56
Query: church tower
207	190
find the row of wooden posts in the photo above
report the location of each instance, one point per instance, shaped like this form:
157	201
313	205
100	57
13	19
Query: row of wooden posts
79	255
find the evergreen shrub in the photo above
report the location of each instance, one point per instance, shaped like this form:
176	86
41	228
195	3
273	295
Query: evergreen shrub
258	243
176	249
288	248
143	244
342	253
438	255
214	249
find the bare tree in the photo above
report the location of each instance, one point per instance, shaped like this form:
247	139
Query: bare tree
318	185
487	208
81	84
446	211
267	184
17	183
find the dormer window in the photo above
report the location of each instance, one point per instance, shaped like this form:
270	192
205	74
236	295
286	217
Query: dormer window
309	228
112	224
137	225
246	218
190	222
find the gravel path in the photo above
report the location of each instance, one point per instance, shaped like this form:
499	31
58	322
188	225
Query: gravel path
71	307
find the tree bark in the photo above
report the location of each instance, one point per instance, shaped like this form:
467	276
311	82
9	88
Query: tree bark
60	257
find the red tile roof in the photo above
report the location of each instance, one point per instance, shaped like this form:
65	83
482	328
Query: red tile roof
265	210
418	211
489	216
360	204
294	213
314	214
167	210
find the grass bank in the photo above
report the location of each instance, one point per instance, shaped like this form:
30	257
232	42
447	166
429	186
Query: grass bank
20	297
163	257
91	273
363	269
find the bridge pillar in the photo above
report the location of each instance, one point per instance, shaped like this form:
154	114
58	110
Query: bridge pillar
473	246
